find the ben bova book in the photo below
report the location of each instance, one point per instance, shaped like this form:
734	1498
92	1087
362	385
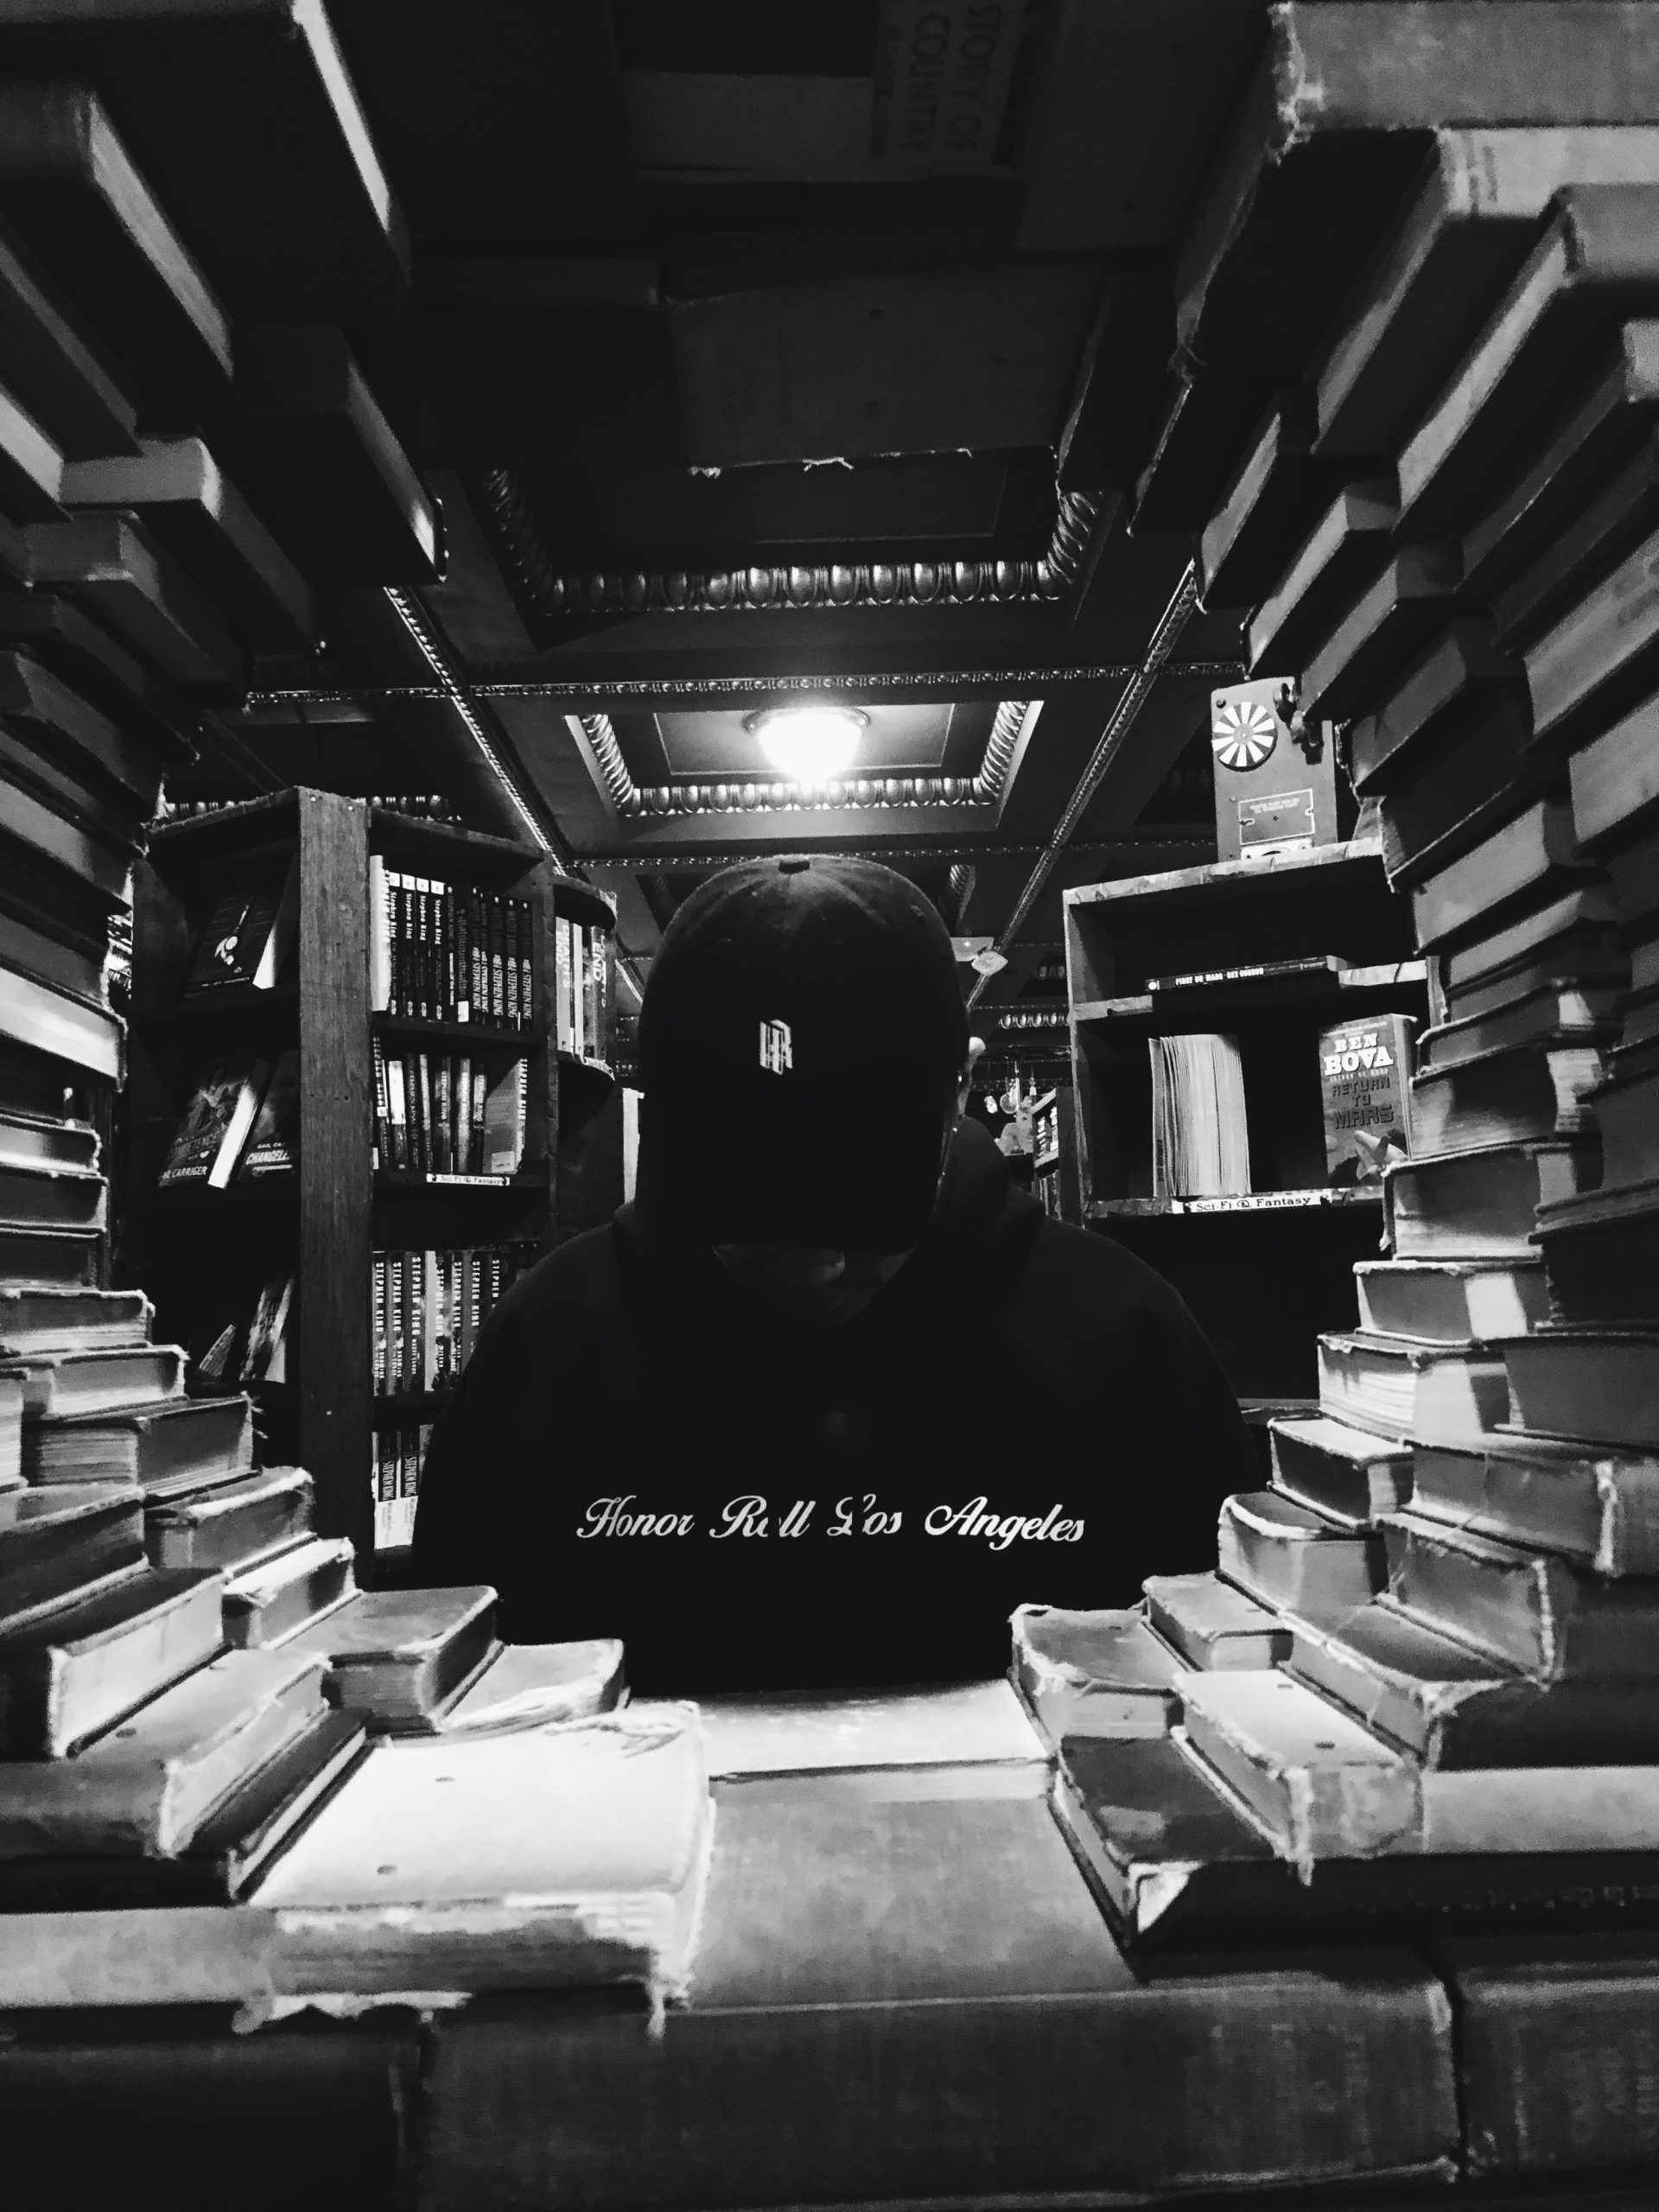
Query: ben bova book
1365	1080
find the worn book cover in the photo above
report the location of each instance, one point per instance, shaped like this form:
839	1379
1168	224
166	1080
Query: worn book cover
249	934
1365	1081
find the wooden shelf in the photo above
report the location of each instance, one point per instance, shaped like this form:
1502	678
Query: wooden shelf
405	1180
1255	1203
487	1036
1188	885
255	822
193	1196
241	1005
393	1409
1315	991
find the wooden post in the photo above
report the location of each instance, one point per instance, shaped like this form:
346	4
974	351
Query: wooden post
335	1183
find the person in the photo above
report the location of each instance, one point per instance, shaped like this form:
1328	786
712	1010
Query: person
830	1396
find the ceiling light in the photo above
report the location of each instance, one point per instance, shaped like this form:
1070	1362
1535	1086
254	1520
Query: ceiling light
809	743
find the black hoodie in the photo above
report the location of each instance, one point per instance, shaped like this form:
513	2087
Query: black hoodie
638	1447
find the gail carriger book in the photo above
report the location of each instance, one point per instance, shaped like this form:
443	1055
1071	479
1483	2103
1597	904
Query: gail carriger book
1365	1083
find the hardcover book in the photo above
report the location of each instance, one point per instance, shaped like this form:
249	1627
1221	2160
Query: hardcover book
1364	1079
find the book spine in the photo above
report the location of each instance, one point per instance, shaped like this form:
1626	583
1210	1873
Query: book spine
429	1277
423	1080
451	996
463	955
443	1159
492	940
380	938
514	972
394	1323
434	948
412	1159
404	956
409	1485
1556	2058
460	1110
381	1155
562	985
526	965
475	1131
396	1115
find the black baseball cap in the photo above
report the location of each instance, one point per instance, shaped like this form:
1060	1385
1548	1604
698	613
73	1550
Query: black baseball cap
800	1041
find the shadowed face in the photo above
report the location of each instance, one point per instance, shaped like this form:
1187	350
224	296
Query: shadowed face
816	1286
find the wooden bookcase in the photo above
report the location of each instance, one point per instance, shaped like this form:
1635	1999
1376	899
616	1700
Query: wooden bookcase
1264	1273
324	1223
1054	1161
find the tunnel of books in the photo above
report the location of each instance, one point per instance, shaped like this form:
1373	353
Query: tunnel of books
1210	450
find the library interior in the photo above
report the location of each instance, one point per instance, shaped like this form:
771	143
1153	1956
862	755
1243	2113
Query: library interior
829	1105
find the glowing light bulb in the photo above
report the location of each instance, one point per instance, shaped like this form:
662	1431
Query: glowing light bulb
809	744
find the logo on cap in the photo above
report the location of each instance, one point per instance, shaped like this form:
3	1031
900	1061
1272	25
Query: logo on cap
777	1046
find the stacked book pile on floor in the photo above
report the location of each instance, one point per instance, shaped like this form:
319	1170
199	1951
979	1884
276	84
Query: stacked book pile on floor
1427	1671
187	1670
191	464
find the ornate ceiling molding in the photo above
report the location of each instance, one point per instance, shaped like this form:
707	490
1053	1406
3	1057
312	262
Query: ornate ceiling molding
550	595
696	690
778	794
647	860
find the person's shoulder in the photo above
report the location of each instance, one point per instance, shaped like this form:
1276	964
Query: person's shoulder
1082	1268
577	1276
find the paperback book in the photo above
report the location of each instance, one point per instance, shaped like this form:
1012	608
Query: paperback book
210	1137
449	952
1365	1081
249	936
1200	1137
273	1145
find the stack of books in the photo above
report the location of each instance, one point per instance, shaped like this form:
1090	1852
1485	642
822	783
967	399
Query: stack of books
153	1743
1427	1667
187	1674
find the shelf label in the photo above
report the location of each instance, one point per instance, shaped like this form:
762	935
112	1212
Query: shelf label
1260	1201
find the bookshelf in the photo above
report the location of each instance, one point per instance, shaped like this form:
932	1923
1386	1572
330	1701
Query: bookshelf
1054	1153
199	1250
1329	909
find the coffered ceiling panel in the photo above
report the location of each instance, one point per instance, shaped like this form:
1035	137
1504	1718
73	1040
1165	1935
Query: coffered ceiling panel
898	741
919	363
